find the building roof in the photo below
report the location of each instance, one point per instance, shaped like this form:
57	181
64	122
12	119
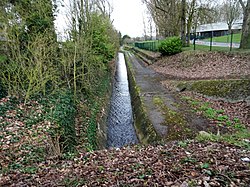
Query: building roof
219	26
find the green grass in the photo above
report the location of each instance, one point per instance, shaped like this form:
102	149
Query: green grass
214	48
240	131
227	38
154	45
207	48
147	46
238	138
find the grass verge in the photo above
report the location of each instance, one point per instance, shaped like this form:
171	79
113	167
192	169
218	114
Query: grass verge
227	38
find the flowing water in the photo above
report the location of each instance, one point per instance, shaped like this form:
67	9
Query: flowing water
120	120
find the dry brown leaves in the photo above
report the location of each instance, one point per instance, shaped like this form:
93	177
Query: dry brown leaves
239	109
204	65
197	164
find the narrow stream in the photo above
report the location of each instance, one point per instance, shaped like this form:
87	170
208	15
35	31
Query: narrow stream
120	120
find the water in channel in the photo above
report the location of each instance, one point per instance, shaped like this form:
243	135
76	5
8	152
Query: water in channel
120	120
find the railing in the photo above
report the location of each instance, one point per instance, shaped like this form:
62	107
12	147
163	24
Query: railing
198	44
148	45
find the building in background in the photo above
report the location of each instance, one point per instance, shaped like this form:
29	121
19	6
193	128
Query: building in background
218	29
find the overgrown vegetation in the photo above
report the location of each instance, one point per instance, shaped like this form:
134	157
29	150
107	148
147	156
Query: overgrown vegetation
57	74
32	132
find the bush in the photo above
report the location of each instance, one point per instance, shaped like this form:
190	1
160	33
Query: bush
171	46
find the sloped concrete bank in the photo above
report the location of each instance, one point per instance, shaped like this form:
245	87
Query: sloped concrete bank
159	115
147	56
144	128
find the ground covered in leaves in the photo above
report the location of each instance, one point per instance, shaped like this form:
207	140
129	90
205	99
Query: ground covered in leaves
187	163
31	156
204	65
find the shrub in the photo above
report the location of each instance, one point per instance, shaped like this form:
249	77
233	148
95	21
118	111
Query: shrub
171	46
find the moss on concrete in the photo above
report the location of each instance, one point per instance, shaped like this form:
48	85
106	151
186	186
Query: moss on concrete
228	89
144	128
174	120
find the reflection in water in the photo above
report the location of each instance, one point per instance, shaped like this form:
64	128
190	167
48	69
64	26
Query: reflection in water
120	128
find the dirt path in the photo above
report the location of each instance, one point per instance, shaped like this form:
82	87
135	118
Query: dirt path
170	116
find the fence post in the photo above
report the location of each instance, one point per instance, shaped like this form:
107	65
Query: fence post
211	41
231	42
194	40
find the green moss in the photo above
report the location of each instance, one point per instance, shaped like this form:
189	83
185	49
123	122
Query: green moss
219	117
229	89
238	138
174	120
158	101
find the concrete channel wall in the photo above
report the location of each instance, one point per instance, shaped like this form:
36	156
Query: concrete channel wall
144	128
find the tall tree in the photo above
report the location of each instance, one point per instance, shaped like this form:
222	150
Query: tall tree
190	17
183	22
145	29
166	16
231	12
245	38
92	43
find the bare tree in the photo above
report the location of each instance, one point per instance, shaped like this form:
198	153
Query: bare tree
150	25
245	38
231	12
144	29
105	7
166	16
190	16
183	22
173	17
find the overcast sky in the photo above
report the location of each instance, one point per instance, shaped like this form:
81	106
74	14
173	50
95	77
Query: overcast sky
127	17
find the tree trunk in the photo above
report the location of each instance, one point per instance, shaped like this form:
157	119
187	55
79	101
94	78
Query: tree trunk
245	38
183	22
189	25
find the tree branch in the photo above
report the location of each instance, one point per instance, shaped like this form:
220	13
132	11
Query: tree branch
242	4
159	8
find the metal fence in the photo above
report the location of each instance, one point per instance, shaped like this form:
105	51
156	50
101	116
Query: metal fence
196	44
215	44
148	45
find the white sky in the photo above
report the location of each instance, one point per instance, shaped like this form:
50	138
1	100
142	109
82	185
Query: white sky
127	17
